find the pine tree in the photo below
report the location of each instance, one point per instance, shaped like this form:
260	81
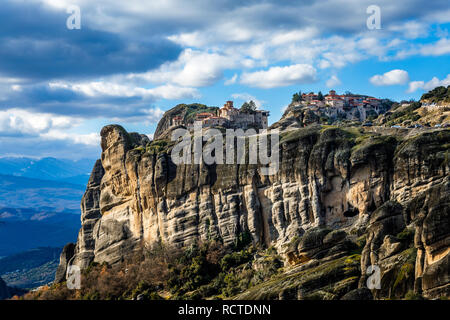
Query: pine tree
296	97
248	107
320	96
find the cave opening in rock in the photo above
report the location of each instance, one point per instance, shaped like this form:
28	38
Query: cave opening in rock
351	212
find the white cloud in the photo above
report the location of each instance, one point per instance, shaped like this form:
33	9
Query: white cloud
323	64
219	37
43	126
21	122
9	80
393	77
112	89
438	48
372	46
154	114
173	92
430	85
338	59
301	52
232	80
333	82
146	116
262	33
193	68
280	76
414	85
191	39
90	139
294	35
411	29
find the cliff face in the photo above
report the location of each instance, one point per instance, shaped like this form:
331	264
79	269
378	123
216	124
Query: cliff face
329	179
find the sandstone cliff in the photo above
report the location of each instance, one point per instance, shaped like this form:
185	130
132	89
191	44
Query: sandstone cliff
334	187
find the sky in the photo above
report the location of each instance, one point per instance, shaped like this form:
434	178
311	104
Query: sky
127	62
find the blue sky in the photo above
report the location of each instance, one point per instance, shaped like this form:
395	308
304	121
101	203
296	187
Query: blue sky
132	60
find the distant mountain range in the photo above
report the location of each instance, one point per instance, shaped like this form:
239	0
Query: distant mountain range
64	170
30	269
40	202
24	229
21	192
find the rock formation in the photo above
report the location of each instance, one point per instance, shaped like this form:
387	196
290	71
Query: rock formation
333	186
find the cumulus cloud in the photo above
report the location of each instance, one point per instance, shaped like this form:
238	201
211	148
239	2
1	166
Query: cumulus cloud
339	52
111	40
130	55
89	100
430	85
333	82
193	68
280	76
17	122
232	80
102	88
26	133
439	48
294	35
393	77
90	139
37	45
411	29
415	85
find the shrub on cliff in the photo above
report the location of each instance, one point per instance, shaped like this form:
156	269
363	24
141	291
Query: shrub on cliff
235	259
438	94
197	266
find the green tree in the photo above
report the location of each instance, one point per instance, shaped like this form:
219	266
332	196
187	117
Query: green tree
248	107
438	94
296	97
320	96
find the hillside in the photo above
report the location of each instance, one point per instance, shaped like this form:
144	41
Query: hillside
25	229
415	114
29	259
24	192
439	95
30	269
38	212
7	292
